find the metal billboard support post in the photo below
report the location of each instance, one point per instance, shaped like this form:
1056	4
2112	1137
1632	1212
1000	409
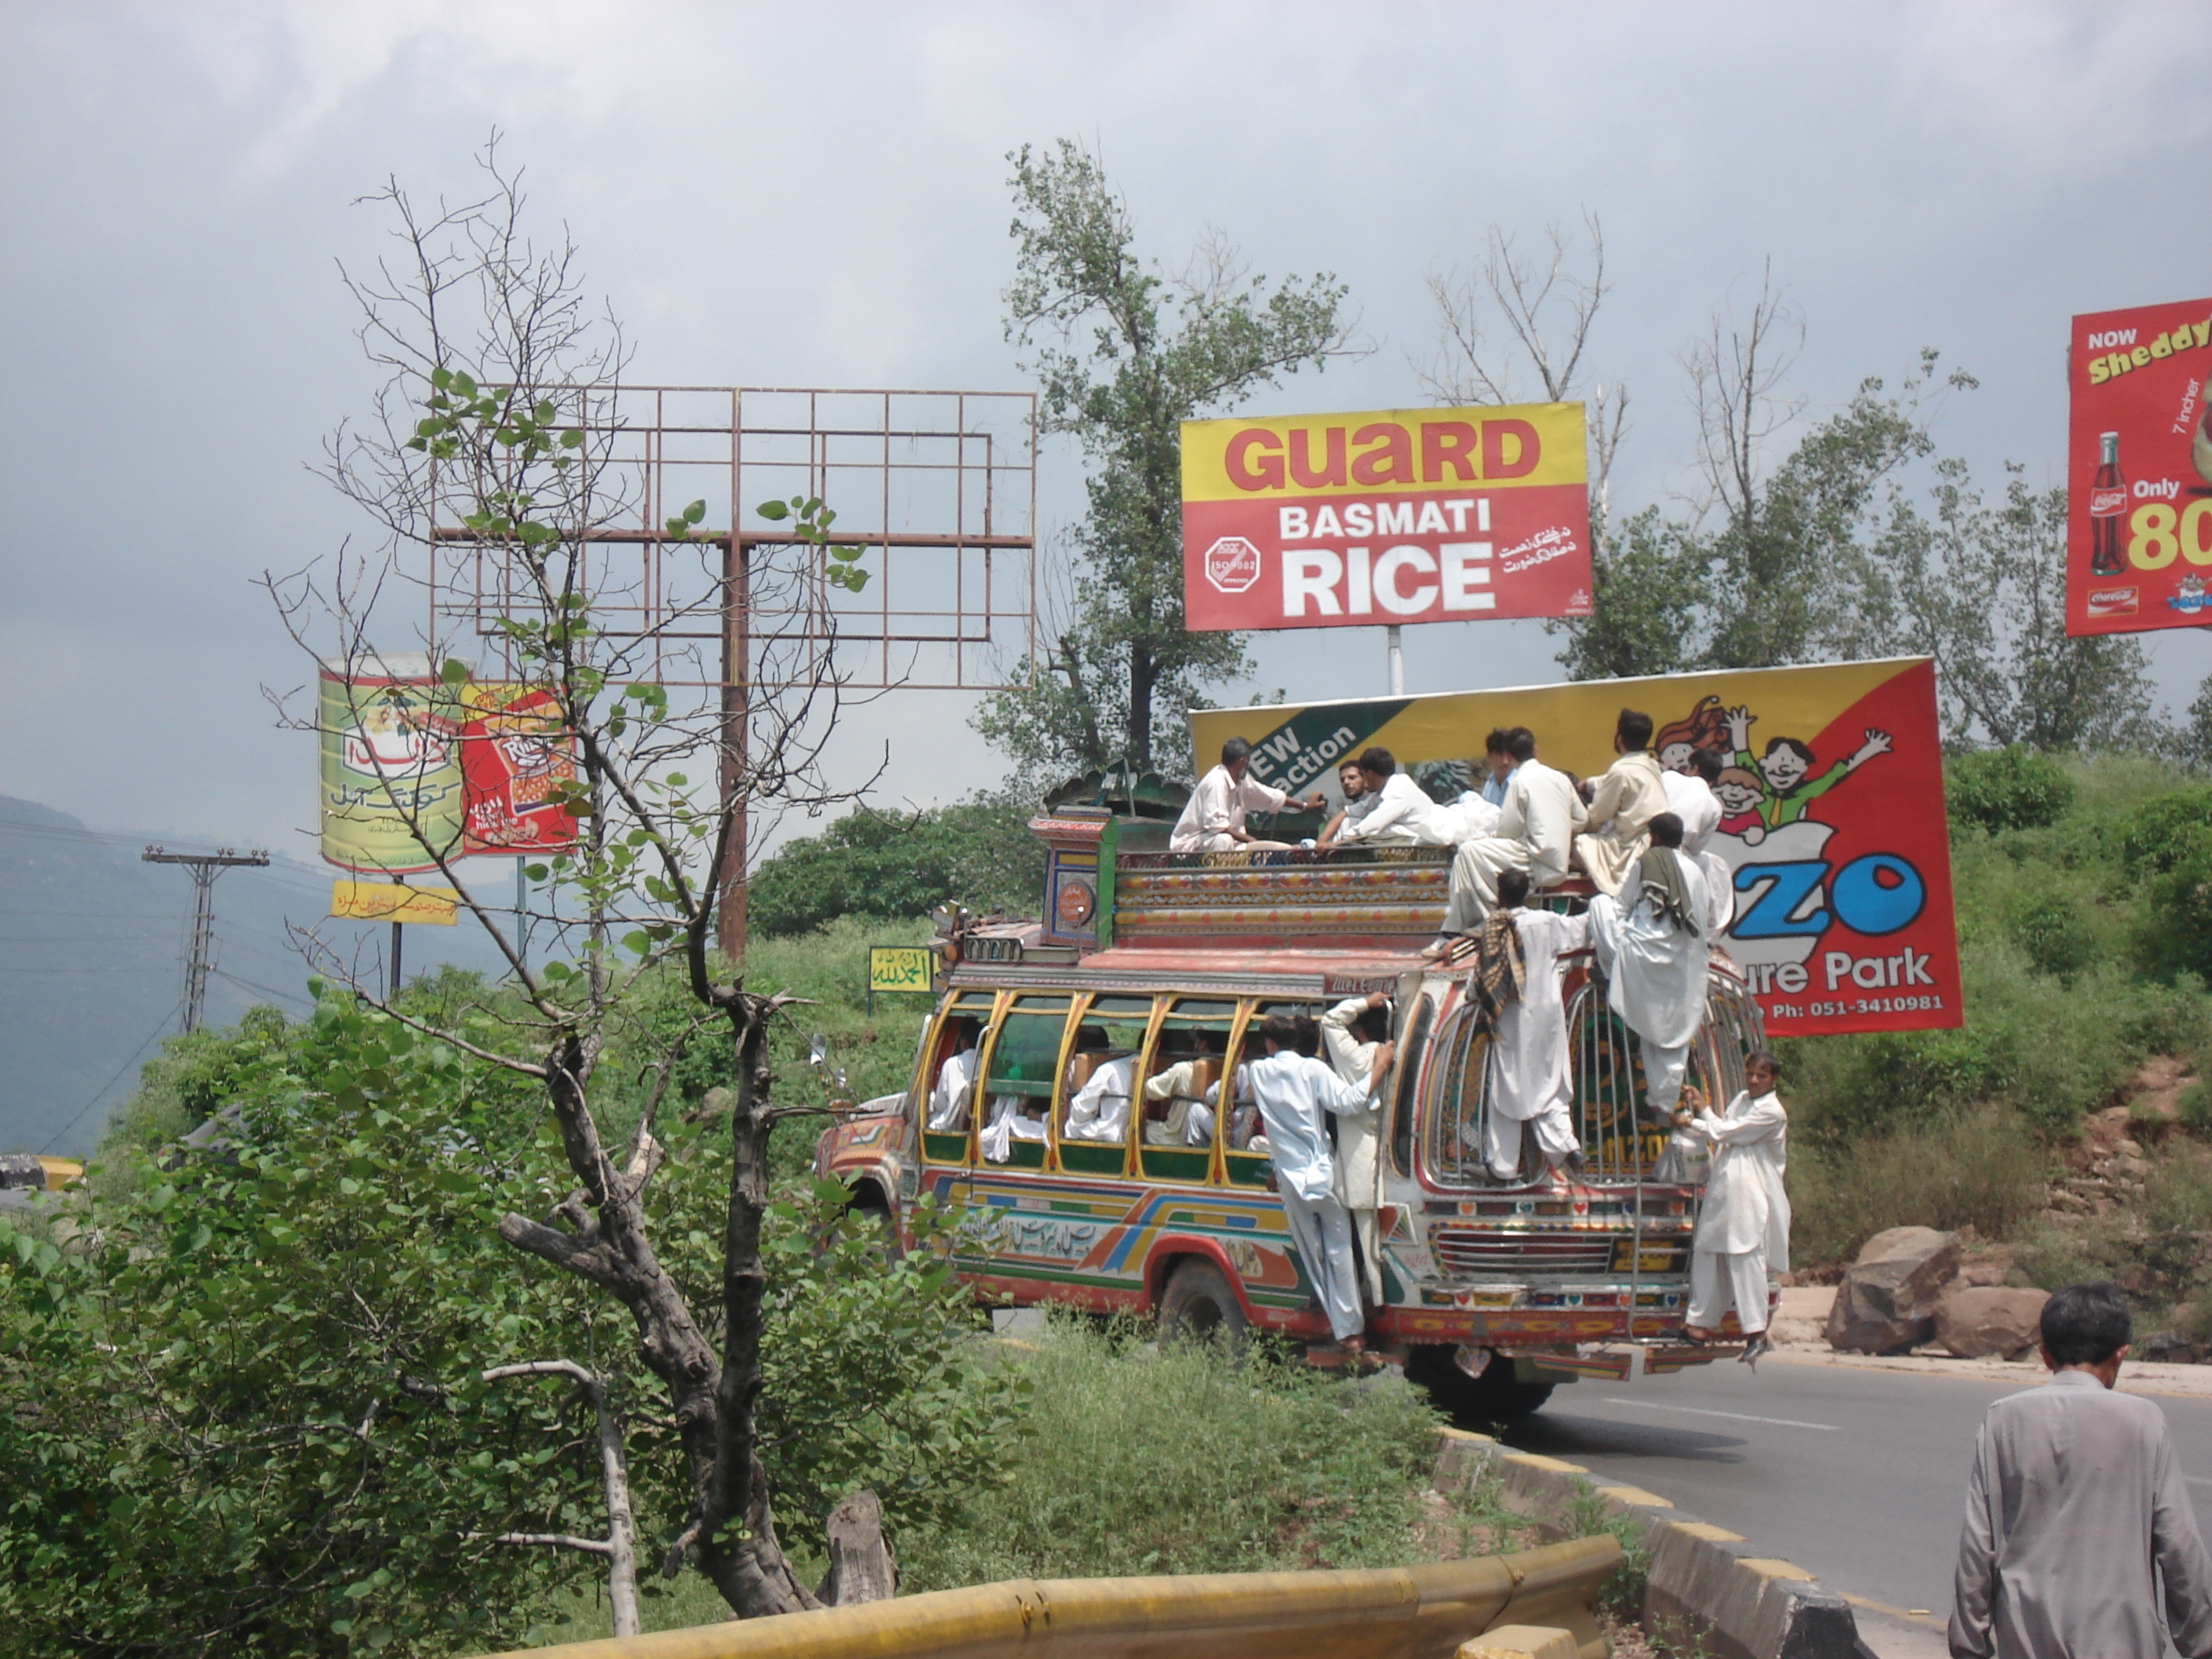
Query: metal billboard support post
1393	656
203	868
939	488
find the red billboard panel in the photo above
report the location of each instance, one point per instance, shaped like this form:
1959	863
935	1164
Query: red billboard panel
1385	517
2139	470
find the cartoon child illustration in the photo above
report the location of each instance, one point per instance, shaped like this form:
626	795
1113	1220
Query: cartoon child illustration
1787	767
1742	793
1704	728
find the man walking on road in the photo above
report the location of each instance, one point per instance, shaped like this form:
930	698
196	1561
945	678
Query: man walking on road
2075	1495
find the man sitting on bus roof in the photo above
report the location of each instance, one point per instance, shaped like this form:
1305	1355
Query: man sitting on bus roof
1622	804
1294	1092
1402	816
1100	1110
1535	833
1653	944
1212	819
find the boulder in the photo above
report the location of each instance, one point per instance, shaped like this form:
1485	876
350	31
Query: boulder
2171	1348
1887	1302
1982	1321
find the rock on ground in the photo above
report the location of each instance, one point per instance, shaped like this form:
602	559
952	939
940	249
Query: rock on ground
1981	1321
1887	1302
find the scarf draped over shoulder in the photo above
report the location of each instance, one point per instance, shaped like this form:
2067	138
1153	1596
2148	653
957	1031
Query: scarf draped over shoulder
1500	976
1659	879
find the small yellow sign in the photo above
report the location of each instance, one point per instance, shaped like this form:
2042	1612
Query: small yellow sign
901	968
386	901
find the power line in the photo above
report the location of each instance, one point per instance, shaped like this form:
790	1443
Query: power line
266	990
111	1082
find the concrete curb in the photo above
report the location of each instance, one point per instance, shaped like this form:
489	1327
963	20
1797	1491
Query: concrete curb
1701	1579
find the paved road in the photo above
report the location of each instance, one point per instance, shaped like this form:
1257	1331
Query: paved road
1856	1475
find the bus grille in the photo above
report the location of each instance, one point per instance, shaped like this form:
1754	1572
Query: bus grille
1463	1251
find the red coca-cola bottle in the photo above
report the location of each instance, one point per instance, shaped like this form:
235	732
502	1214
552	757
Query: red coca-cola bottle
2108	500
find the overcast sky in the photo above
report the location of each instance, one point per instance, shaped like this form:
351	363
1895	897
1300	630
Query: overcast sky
815	195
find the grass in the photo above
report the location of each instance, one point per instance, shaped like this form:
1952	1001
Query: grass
1134	1460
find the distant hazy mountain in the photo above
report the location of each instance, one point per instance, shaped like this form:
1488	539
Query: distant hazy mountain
92	953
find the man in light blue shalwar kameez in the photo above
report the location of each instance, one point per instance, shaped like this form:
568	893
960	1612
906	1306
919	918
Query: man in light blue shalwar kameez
1292	1091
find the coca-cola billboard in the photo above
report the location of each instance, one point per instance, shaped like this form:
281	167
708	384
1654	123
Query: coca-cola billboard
1385	517
2139	470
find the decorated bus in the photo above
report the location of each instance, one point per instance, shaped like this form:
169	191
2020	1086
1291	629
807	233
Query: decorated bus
1492	1291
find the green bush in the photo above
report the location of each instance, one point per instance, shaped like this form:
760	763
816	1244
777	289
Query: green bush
2176	935
1186	1460
2054	934
2001	789
2161	831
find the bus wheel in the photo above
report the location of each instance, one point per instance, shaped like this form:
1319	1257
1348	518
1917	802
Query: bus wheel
1493	1397
1200	1304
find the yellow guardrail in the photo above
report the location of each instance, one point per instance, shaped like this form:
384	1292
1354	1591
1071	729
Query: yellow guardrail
1393	1613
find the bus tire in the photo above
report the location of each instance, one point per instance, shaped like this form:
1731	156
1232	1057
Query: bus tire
1495	1396
1200	1305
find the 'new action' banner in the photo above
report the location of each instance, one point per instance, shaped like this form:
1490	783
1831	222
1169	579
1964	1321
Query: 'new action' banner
1397	515
1832	794
2139	470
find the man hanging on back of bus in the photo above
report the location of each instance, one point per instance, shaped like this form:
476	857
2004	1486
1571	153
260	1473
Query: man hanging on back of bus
1518	985
1743	1224
1212	819
1349	1032
1293	1092
1652	944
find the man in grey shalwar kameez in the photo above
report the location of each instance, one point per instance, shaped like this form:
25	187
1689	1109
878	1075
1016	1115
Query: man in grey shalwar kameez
2075	1498
1652	945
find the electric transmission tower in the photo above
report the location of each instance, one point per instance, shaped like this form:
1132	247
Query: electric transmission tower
203	868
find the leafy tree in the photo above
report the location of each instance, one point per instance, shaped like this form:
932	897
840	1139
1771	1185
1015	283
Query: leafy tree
1121	667
243	1409
978	852
2009	788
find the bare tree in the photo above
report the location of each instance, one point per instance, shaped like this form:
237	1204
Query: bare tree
1738	371
619	1546
1546	305
492	439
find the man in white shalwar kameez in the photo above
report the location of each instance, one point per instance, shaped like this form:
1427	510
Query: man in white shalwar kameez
1100	1110
1690	798
1625	799
1292	1091
1743	1228
1190	1119
1212	819
1358	1168
1402	815
1653	944
955	1085
1528	1080
1535	832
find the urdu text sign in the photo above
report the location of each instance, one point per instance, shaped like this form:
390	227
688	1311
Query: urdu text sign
1384	517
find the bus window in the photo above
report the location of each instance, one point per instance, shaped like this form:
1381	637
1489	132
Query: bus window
1025	1054
948	1078
1099	1080
1181	1089
1244	1137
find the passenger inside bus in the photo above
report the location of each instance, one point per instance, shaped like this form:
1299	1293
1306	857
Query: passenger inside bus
956	1078
1177	1097
1099	1083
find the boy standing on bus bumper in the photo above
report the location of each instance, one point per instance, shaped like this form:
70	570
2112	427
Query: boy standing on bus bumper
1743	1226
1292	1091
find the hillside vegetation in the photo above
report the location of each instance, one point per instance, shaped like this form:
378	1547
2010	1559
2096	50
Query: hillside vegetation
2084	891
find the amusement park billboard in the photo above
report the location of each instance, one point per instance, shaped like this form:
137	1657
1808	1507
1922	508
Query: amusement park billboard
2139	470
1394	515
407	758
1832	799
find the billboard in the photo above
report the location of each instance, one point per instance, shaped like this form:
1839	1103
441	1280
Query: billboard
405	758
1833	828
385	901
2139	470
1389	516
